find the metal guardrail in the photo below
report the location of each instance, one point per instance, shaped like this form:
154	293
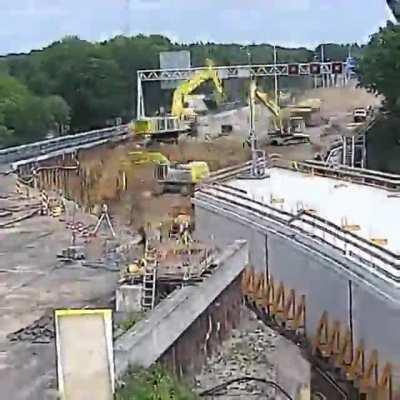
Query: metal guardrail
36	149
229	172
356	175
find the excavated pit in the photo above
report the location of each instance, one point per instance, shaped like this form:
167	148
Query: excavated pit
100	169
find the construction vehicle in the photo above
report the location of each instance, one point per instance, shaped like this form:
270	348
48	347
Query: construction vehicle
182	115
181	177
283	123
168	127
172	177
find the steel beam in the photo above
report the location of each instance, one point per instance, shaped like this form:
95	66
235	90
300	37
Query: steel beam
241	71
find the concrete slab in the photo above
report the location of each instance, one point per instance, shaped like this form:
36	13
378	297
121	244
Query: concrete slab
128	298
84	337
332	199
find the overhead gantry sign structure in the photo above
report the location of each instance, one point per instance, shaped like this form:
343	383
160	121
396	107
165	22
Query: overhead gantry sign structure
326	69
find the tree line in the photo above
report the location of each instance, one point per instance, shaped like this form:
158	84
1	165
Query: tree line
75	85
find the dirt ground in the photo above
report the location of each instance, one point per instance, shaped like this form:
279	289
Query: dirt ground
256	351
339	100
138	205
33	284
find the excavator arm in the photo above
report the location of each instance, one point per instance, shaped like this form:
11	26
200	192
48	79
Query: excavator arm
264	99
188	87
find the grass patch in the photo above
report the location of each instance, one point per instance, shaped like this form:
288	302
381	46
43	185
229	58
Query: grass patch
132	319
154	384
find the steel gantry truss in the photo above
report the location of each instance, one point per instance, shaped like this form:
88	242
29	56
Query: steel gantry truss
325	69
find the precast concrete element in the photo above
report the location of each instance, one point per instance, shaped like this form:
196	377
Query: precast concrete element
188	325
84	337
128	298
341	292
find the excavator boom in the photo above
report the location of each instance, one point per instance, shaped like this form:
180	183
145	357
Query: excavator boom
264	99
188	87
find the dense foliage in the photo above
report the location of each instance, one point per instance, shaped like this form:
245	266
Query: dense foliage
82	85
153	384
380	65
25	117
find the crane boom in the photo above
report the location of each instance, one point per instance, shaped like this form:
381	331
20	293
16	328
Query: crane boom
188	87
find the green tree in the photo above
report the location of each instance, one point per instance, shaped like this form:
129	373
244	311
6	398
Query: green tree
12	93
380	65
25	117
87	79
98	81
60	113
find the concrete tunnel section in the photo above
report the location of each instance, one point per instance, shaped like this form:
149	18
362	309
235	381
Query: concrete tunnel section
345	278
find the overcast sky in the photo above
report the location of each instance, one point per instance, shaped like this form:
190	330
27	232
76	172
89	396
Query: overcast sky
32	24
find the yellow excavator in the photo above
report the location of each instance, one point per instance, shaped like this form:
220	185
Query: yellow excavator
264	99
282	120
172	177
181	115
179	107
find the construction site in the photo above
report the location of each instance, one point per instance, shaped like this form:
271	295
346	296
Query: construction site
233	243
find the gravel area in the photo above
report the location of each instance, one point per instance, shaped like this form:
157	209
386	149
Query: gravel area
248	353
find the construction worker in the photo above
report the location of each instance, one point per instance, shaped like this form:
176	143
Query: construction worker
143	240
157	234
160	228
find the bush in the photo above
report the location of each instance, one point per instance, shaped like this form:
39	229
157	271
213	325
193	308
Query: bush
154	384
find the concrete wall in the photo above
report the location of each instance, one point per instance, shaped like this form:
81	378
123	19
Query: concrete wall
181	329
224	230
309	275
320	273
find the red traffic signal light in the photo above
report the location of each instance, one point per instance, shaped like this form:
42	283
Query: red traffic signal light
337	68
293	69
315	69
